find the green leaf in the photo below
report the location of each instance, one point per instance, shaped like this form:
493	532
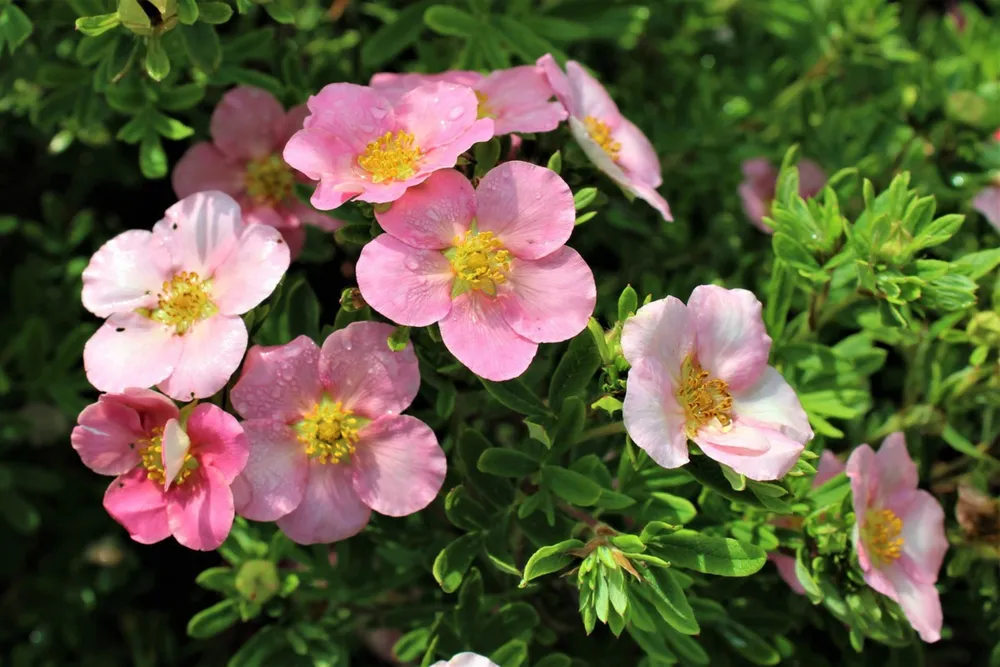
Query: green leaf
803	574
831	492
471	446
97	25
171	128
523	41
575	369
187	11
571	486
555	162
749	644
975	265
210	622
584	198
453	561
512	654
670	601
549	559
411	646
15	26
708	472
570	424
202	45
259	650
506	463
257	580
516	396
555	660
451	21
669	508
280	12
157	61
711	555
214	12
628	303
19	513
392	38
687	648
152	158
465	512
219	579
486	153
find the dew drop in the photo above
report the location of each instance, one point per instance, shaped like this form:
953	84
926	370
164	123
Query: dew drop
456	113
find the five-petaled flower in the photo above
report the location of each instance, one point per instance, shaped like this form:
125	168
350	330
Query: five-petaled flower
489	265
327	441
700	371
173	473
173	298
612	142
759	181
358	144
899	532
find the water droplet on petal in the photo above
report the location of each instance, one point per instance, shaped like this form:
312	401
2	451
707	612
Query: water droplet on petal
456	113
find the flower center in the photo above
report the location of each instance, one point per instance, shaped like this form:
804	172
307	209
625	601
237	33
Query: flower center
391	157
484	107
269	181
329	432
882	536
600	132
151	458
704	399
183	301
480	262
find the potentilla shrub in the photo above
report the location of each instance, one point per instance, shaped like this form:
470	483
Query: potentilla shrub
482	334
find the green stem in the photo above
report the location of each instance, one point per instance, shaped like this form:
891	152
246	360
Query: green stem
602	431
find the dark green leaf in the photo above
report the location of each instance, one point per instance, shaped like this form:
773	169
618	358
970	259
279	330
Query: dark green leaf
392	38
516	396
452	562
549	559
571	486
451	21
210	622
214	12
575	369
202	44
506	463
711	555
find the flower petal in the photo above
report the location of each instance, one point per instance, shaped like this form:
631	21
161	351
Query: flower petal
648	194
529	208
862	470
920	602
662	331
732	343
828	468
772	402
274	480
446	155
755	207
549	300
203	167
637	157
200	231
477	334
153	408
210	352
200	511
653	417
139	505
405	284
987	202
786	570
437	113
432	214
104	437
398	466
357	367
175	446
557	80
330	509
760	453
293	121
518	100
589	97
130	350
924	538
245	122
812	178
467	660
218	440
252	271
353	114
126	273
279	382
322	157
897	471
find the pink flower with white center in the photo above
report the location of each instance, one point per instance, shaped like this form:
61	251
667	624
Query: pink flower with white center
899	534
700	372
517	99
327	441
173	473
760	179
359	144
612	142
173	298
828	468
466	660
489	265
249	130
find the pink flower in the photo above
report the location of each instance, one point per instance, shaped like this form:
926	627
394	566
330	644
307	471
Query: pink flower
466	660
760	180
489	265
358	144
173	473
249	129
517	99
327	441
987	202
173	298
700	371
615	145
899	534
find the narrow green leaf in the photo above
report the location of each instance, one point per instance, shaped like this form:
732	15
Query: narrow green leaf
97	25
506	463
392	38
451	21
210	622
453	561
548	560
516	396
571	486
575	370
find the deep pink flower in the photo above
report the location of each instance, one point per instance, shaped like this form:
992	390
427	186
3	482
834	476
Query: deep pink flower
173	298
489	265
899	534
466	660
517	99
327	441
759	181
612	142
173	473
249	130
358	144
700	371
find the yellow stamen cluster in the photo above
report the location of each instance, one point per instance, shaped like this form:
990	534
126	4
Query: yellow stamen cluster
480	261
183	301
882	535
484	110
269	181
151	457
703	398
391	157
600	132
329	432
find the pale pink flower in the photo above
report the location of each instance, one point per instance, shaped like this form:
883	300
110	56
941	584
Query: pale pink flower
700	371
359	144
249	129
173	298
987	202
489	265
760	179
466	660
327	441
828	468
899	532
173	473
517	99
612	142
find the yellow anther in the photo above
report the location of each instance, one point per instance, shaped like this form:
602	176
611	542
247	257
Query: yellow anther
269	181
600	132
329	432
183	301
882	535
480	261
703	398
391	157
151	457
484	110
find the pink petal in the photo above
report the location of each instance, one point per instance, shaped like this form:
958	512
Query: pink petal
293	121
200	231
598	155
126	273
530	208
467	660
828	468
210	352
153	408
398	466
431	215
921	604
661	331
759	453
637	155
252	270
477	334
772	402
589	97
877	579
437	114
330	509
653	417
130	350
104	437
786	570
265	215
446	155
353	114
518	99
924	538
405	284
245	121
218	440
390	191
274	480
549	300
175	446
557	80
755	207
897	471
279	382
648	194
732	343
325	158
200	510
139	505
987	202
863	472
392	86
204	167
357	368
812	178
